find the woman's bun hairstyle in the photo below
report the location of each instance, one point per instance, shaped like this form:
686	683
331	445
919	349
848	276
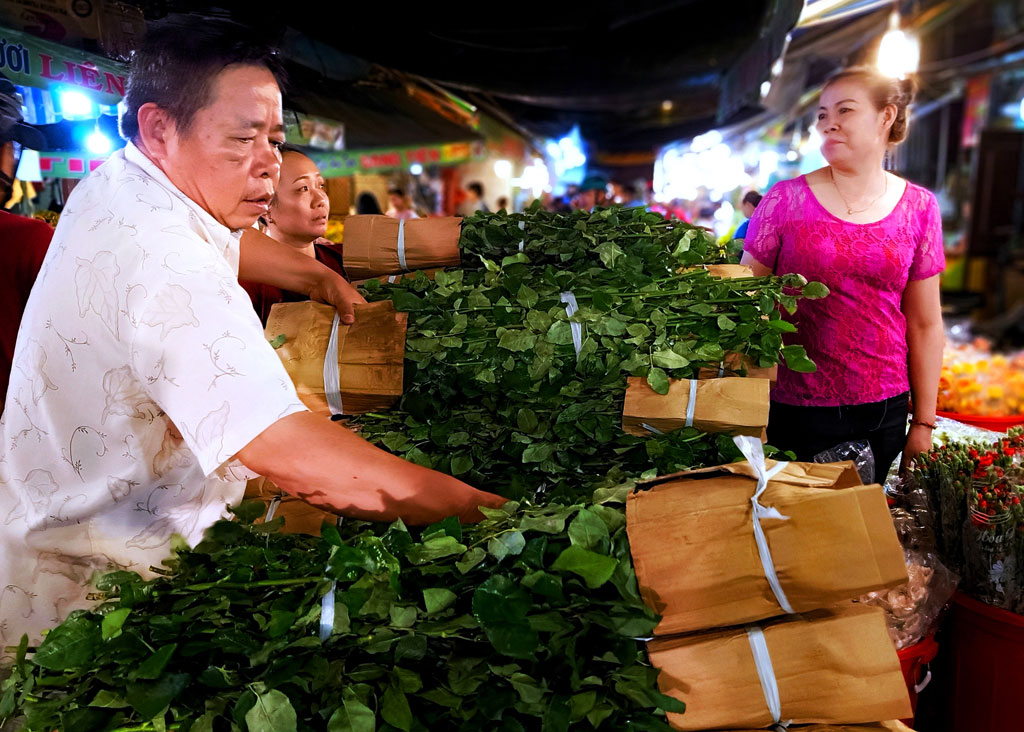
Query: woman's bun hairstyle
883	91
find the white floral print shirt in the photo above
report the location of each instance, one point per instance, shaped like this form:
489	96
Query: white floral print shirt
140	370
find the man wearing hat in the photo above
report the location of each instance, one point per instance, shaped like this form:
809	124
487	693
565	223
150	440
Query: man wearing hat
23	241
593	192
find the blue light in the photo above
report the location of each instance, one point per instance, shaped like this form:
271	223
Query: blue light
76	105
98	144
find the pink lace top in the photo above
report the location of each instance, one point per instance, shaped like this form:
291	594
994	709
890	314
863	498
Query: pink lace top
856	335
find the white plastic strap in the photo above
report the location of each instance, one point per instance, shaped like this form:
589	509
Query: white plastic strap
332	377
571	308
327	609
272	509
766	673
522	242
721	369
401	246
392	279
651	429
691	404
753	451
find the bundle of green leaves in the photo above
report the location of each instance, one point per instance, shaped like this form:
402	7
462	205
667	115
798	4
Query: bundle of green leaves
529	620
497	393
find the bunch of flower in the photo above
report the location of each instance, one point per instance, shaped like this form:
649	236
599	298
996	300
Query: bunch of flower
975	493
977	382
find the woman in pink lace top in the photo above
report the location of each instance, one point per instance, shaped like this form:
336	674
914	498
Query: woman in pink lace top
876	241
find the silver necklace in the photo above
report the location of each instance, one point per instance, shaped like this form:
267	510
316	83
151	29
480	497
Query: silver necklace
850	211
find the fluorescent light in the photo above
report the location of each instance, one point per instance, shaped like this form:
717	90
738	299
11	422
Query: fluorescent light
503	169
899	52
416	169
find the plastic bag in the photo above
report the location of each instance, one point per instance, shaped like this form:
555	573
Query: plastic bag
859	452
949	430
913	609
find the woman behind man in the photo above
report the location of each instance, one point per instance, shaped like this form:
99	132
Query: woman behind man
876	241
297	217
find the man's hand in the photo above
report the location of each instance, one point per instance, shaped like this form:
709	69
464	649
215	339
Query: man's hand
919	440
335	290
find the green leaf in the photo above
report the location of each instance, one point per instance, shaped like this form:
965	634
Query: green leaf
726	323
436	599
526	420
669	359
461	464
470	559
783	326
557	716
538	453
560	333
352	715
589	531
609	253
501	606
815	290
278	341
434	548
113	621
71	644
517	340
402	617
151	698
658	380
88	719
507	544
527	297
595	569
544	524
153	666
272	712
796	360
395	708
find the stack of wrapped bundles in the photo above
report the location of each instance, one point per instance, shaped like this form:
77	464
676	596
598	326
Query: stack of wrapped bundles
752	568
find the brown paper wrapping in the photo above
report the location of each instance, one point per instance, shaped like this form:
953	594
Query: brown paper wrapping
299	517
371	245
737	406
724	271
832	666
837	544
893	726
370	353
733	363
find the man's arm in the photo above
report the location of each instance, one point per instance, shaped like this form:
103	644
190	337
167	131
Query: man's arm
328	466
262	259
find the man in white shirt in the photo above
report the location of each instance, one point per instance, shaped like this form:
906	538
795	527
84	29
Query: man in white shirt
143	392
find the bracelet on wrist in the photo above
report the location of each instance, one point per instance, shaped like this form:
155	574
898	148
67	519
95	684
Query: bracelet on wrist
922	423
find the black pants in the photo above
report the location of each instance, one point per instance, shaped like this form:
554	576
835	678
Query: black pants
807	431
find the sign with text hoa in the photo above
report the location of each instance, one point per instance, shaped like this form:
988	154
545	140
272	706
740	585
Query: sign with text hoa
383	160
31	61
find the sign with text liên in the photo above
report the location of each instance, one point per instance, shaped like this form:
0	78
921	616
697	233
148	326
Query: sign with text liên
31	61
350	162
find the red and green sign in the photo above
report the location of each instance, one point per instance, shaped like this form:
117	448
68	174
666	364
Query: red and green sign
31	61
383	160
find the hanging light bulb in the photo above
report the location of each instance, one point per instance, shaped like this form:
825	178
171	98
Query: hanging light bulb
899	52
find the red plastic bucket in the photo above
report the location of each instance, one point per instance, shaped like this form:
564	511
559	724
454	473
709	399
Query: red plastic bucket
914	661
987	668
996	424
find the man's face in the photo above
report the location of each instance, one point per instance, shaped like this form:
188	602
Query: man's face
8	166
397	202
228	160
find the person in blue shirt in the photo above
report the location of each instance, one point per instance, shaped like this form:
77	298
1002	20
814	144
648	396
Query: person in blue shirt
750	201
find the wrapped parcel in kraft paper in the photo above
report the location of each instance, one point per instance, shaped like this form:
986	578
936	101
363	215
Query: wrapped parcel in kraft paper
831	666
700	564
738	364
377	245
367	358
893	726
737	406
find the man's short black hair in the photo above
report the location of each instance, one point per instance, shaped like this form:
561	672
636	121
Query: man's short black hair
753	198
477	188
178	61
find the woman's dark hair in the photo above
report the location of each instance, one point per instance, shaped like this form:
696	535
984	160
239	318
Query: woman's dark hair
396	192
477	188
178	61
367	203
883	91
753	198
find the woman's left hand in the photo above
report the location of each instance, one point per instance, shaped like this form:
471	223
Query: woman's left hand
919	440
